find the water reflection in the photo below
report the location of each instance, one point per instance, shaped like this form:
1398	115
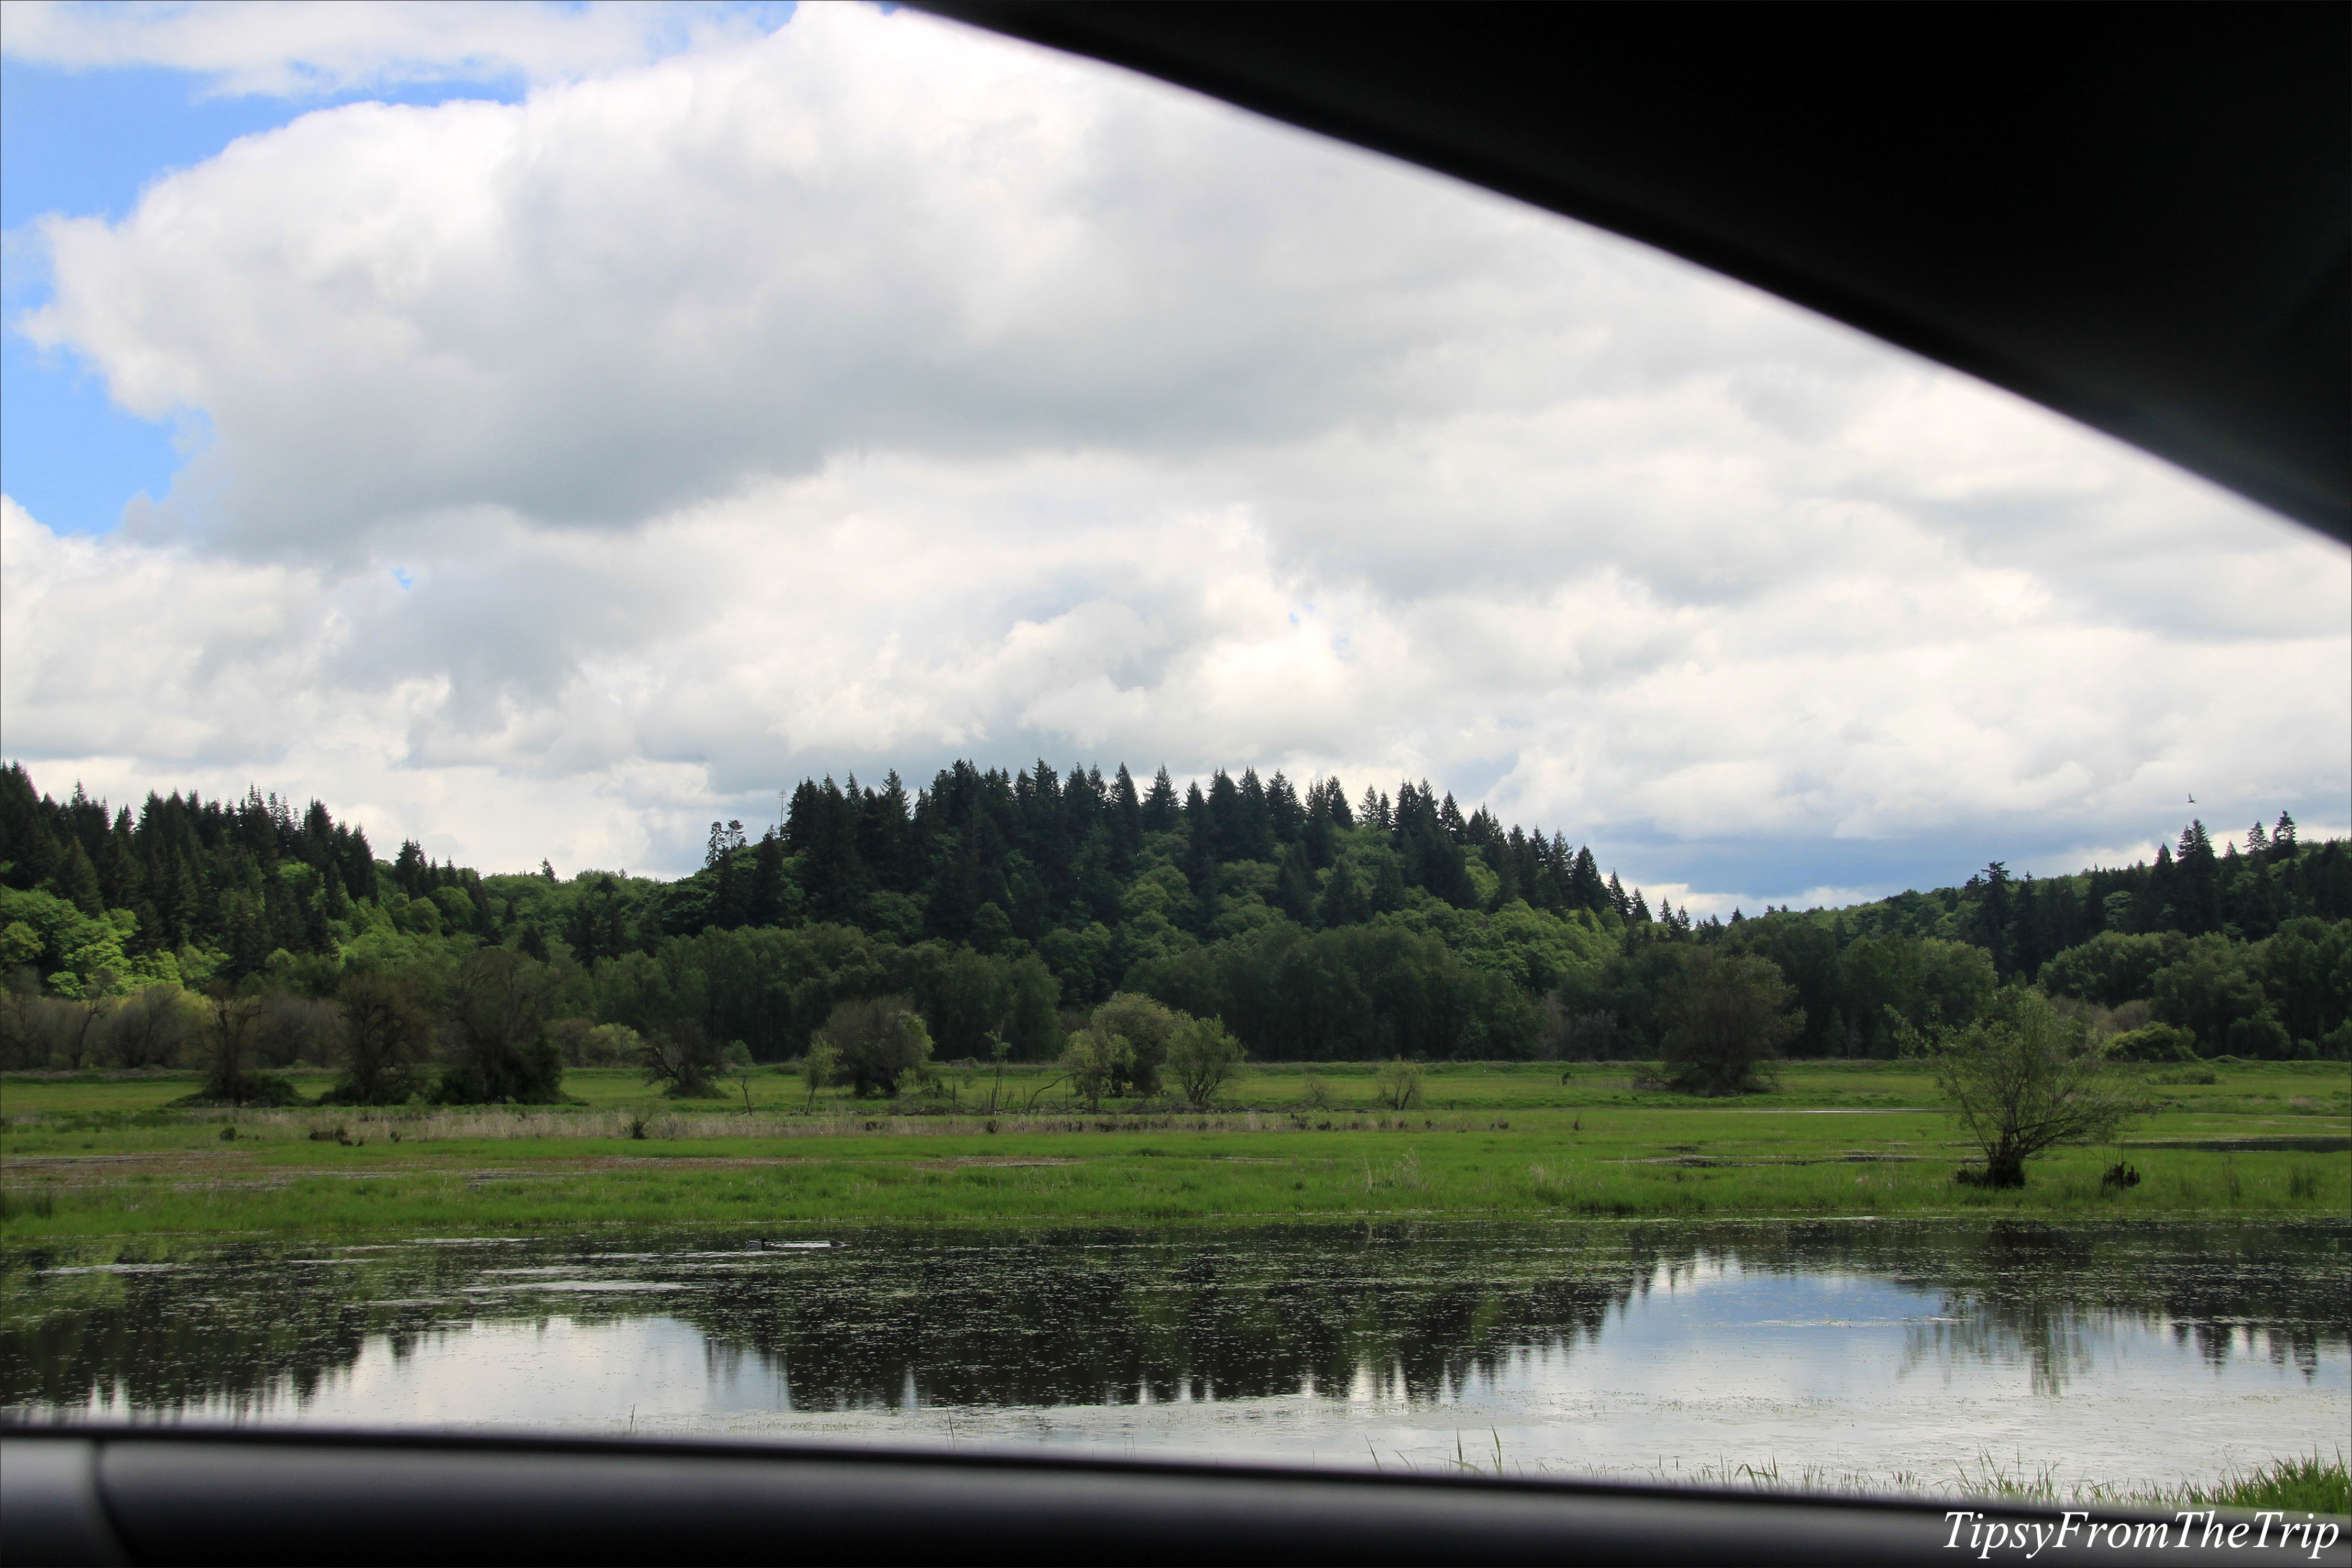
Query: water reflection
1585	1341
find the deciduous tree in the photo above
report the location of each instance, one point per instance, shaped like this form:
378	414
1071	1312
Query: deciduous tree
2027	1080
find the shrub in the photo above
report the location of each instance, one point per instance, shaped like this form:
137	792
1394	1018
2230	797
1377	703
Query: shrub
1397	1084
2156	1043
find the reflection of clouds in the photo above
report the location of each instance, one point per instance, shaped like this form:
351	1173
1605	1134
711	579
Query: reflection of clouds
1850	1348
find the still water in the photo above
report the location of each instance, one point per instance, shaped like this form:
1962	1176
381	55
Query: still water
1888	1352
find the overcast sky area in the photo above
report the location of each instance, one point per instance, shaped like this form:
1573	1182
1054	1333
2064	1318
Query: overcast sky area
541	431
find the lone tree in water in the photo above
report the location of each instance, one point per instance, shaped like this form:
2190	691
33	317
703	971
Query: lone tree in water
2025	1080
1727	1017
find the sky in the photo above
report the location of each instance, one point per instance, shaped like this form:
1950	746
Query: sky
538	431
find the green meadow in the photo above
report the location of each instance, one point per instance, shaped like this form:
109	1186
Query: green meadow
91	1155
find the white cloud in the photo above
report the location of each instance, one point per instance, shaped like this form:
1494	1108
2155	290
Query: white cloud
301	48
874	393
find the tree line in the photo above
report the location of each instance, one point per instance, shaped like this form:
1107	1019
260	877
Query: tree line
1008	908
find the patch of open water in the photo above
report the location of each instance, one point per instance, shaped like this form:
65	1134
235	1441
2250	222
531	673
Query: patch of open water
1888	1351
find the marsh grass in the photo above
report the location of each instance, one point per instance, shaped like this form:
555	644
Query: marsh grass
2296	1485
2300	1484
88	1156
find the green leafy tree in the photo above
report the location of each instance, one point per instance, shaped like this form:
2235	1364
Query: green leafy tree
387	1032
881	1042
1726	1017
2213	992
1096	1061
228	1038
2112	968
820	1068
684	1059
20	946
2028	1080
1201	1058
498	1007
1149	1028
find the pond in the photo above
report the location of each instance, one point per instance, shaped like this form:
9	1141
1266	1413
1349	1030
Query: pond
1906	1353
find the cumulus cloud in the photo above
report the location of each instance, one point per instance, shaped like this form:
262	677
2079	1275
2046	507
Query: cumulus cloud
872	393
638	291
301	48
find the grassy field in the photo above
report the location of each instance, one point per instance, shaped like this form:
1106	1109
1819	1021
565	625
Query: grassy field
88	1155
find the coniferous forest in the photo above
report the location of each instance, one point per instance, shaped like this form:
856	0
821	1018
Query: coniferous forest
1006	906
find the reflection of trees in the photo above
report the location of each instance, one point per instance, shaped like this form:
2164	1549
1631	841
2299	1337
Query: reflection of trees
1122	1319
240	1327
1099	1316
2049	1293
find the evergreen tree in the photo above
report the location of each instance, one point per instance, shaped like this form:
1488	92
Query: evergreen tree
1345	900
1126	813
1295	890
1335	801
1287	812
765	905
2198	891
1160	805
76	880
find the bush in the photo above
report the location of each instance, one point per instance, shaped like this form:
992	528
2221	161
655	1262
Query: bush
1397	1084
2154	1043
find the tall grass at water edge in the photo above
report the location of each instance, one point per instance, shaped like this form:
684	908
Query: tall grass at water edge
2296	1484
